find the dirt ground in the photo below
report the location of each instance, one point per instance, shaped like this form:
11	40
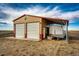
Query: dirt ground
15	47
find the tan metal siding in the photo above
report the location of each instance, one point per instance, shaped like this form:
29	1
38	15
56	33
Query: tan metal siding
19	21
27	19
32	19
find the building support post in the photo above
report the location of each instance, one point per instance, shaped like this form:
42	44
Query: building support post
14	30
66	32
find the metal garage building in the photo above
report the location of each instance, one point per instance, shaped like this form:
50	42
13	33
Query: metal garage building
38	28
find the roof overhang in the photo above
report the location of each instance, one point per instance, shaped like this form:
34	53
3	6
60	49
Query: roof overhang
57	21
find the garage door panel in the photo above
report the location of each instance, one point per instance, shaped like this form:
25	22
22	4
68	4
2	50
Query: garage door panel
20	30
33	30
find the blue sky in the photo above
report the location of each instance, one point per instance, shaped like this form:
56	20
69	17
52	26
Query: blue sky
68	11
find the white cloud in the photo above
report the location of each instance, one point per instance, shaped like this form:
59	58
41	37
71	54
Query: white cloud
39	11
70	15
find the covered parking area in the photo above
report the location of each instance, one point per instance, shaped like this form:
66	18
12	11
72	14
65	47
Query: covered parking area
56	27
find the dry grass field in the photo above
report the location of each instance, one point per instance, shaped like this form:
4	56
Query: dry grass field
14	47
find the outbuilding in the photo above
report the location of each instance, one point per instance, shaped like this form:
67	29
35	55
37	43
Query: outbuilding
38	28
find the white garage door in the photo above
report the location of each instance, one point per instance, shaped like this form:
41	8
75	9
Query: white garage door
20	31
33	30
